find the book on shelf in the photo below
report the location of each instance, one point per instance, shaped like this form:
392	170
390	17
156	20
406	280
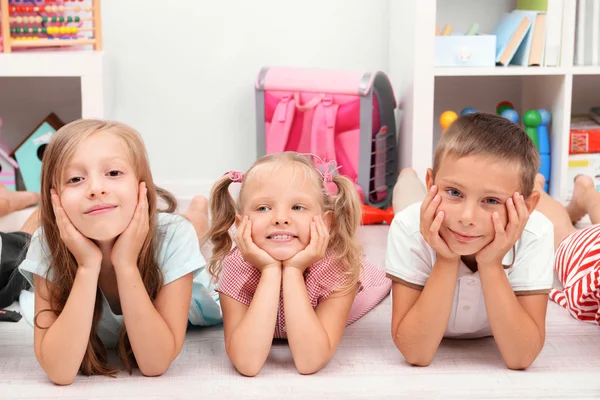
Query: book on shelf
510	32
531	50
584	134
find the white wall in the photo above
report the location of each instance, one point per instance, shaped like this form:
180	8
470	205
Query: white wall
183	72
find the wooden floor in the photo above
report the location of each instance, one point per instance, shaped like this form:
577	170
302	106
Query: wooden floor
366	366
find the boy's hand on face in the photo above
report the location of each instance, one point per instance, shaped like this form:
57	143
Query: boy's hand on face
256	256
319	240
505	238
431	221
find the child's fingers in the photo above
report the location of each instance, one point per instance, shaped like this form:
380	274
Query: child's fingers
498	228
434	229
522	210
428	198
323	234
239	234
513	216
430	212
315	236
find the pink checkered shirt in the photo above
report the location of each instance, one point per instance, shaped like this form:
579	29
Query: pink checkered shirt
239	280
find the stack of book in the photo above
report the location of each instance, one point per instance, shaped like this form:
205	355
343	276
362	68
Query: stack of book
531	34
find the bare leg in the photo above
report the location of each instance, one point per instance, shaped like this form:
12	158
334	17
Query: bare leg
408	190
32	223
11	201
197	214
554	211
586	200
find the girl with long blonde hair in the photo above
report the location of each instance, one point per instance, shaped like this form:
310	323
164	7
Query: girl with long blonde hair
108	267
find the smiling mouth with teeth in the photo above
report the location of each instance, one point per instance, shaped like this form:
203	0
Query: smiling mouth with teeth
282	237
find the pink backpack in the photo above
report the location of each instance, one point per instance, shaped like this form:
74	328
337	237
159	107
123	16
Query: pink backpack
346	116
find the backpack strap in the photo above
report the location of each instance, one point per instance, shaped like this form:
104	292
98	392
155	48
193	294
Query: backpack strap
322	140
279	131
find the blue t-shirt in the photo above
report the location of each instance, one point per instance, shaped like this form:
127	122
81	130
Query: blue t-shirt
178	255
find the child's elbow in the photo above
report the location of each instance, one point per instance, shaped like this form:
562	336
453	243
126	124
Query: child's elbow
306	368
519	363
418	360
249	369
415	357
152	371
62	379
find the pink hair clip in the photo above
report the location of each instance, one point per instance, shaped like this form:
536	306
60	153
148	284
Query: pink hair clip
327	169
235	176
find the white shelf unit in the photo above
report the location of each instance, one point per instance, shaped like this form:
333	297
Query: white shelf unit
426	91
85	65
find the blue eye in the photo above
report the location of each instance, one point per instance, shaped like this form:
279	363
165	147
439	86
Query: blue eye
453	192
297	208
492	201
115	173
76	179
263	209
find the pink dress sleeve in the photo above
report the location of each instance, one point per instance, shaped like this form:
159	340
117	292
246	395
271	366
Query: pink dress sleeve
238	279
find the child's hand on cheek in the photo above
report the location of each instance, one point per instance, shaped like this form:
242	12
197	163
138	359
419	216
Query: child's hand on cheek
504	239
431	221
319	240
129	244
87	254
256	256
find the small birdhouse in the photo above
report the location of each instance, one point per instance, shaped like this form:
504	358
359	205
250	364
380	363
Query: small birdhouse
30	152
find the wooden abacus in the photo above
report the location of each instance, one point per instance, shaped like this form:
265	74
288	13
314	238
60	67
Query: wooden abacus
50	23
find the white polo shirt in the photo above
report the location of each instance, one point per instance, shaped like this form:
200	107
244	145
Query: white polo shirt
409	261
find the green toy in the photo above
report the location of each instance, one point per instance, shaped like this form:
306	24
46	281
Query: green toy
532	119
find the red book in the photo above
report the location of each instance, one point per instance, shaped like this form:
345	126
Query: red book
584	136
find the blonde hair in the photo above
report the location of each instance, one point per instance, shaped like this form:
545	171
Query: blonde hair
62	263
490	135
345	207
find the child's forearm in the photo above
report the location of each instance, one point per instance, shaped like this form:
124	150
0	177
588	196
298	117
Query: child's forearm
419	333
152	341
65	342
309	342
517	335
250	342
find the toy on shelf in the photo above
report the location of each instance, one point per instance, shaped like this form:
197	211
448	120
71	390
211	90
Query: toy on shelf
8	166
467	110
504	105
532	119
446	119
50	23
30	152
544	145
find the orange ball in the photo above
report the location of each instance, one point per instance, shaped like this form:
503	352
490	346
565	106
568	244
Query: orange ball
447	118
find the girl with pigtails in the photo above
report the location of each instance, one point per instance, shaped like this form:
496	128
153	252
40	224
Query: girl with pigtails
296	271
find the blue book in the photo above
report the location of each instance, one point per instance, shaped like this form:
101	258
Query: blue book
521	57
510	32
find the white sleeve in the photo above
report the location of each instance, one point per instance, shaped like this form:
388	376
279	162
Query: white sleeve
408	256
180	251
37	259
533	269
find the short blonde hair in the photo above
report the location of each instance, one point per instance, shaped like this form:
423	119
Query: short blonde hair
493	136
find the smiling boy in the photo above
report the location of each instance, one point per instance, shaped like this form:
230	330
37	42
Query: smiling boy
474	258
